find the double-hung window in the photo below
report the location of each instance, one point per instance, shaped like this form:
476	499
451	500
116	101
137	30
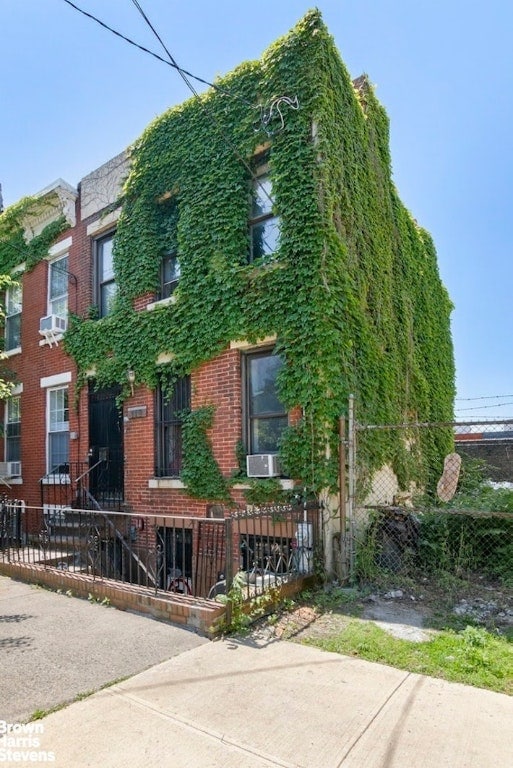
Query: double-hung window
58	287
168	427
169	275
58	430
105	280
266	416
13	317
264	225
13	428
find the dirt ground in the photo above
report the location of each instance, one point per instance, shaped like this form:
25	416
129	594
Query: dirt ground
407	611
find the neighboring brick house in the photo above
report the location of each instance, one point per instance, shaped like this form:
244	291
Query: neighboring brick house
262	274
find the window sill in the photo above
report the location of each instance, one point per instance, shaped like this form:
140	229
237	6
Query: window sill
174	482
286	484
11	352
262	264
161	303
165	482
14	481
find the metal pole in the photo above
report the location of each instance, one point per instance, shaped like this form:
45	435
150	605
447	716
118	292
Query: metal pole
351	489
228	527
343	496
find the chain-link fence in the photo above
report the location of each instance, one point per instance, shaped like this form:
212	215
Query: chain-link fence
431	502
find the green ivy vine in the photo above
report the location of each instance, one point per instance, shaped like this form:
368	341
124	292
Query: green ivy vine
200	472
354	295
14	250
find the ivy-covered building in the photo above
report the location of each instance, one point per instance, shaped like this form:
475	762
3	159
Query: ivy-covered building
219	290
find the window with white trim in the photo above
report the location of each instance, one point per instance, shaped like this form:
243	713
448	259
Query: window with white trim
58	430
13	305
106	287
264	225
58	287
13	428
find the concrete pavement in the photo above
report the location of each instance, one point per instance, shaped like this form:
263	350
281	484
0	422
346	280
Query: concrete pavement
54	648
243	705
230	703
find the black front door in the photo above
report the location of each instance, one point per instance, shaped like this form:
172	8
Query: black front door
105	446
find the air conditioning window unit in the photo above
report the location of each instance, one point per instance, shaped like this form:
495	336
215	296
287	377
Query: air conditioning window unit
14	468
10	468
262	465
52	324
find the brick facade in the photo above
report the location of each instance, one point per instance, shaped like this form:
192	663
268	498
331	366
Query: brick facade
216	382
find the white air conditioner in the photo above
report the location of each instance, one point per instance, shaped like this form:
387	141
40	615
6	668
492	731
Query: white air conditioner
14	468
10	468
262	465
52	324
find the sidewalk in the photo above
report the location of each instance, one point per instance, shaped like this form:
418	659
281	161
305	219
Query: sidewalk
54	648
237	704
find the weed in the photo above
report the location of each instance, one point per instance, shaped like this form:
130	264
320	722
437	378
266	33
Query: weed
38	714
472	656
96	600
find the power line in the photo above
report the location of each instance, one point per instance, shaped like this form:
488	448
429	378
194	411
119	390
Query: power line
483	407
184	75
483	397
170	63
265	114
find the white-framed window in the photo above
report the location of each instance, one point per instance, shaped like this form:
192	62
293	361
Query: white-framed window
13	428
58	287
13	305
106	287
264	225
57	430
169	275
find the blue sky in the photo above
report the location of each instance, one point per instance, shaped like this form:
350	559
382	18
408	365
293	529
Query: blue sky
72	95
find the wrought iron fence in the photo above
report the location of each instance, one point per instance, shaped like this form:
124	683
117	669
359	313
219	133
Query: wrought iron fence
83	485
275	544
260	547
11	523
183	555
440	504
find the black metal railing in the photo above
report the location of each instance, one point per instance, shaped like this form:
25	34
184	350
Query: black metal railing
256	548
81	485
275	544
183	555
11	523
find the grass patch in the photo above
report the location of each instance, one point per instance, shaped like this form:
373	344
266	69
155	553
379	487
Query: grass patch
472	656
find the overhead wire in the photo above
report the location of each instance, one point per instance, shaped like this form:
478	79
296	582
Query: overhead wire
170	63
186	80
483	407
184	76
483	397
265	115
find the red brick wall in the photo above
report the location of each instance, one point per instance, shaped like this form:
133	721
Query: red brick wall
33	363
214	383
217	382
